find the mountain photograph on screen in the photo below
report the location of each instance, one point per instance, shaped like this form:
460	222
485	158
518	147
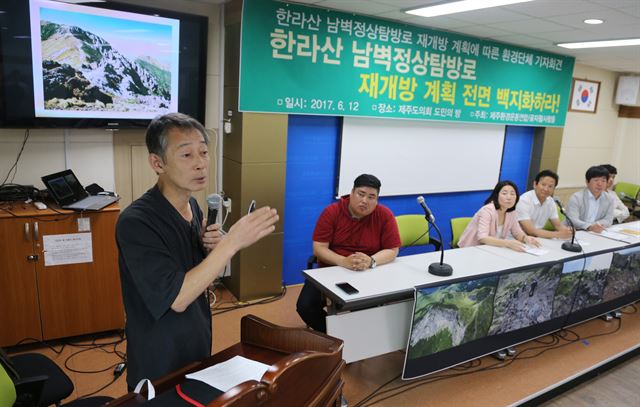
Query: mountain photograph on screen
524	298
91	62
566	290
624	275
581	284
450	315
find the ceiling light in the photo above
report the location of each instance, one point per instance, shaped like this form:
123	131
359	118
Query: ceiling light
601	44
593	21
460	6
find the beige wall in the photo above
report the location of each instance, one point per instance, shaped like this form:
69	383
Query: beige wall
591	139
626	150
89	152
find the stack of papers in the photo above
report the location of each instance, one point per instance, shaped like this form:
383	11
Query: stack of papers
226	375
616	235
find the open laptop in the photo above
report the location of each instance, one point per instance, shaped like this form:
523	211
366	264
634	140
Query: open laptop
67	191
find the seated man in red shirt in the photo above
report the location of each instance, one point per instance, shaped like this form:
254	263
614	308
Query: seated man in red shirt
354	233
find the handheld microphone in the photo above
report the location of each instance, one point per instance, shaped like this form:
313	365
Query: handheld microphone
438	269
426	209
571	246
213	203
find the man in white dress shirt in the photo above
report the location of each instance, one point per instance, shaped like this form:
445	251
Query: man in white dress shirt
536	207
620	210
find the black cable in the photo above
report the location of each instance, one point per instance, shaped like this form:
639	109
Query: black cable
427	232
99	390
15	192
554	344
260	302
34	340
373	393
95	344
14	167
633	306
575	294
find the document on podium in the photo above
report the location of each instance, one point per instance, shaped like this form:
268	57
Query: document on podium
226	375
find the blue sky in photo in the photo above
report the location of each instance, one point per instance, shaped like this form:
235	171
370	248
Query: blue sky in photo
131	38
573	266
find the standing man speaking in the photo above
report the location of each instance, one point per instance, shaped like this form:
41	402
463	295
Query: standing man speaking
168	258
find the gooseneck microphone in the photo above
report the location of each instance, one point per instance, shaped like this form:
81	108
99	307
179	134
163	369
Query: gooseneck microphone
571	246
438	269
213	203
426	209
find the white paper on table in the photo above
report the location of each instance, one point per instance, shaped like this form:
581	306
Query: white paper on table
619	236
230	373
626	228
536	251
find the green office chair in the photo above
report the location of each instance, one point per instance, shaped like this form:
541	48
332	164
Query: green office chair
414	231
458	225
627	189
548	226
628	194
7	389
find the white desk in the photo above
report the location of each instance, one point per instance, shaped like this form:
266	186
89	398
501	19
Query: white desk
381	312
376	320
591	243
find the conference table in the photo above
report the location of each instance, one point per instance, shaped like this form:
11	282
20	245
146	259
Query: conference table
377	319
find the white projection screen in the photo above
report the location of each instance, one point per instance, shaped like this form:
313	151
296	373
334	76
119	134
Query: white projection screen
420	157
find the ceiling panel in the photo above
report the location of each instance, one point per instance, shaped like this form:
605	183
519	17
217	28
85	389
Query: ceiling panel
547	8
616	3
530	26
446	23
357	6
407	4
482	31
521	39
611	19
487	16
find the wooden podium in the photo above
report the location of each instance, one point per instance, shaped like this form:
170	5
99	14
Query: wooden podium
306	369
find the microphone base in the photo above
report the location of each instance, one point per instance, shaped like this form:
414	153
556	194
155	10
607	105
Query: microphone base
442	270
571	247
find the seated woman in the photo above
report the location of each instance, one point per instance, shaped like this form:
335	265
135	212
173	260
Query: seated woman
496	223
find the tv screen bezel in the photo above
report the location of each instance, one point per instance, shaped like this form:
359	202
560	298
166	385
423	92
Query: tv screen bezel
191	80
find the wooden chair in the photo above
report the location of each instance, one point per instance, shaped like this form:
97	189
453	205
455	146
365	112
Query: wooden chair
306	368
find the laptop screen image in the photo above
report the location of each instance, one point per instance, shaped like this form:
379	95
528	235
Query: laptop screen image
64	187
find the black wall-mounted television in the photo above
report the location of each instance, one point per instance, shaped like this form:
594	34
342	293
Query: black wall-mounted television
98	64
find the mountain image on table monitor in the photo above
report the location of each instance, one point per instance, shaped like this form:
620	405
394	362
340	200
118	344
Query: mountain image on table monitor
82	71
581	284
524	298
624	275
451	315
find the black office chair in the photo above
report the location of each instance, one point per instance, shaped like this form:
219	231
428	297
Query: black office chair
311	260
39	382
